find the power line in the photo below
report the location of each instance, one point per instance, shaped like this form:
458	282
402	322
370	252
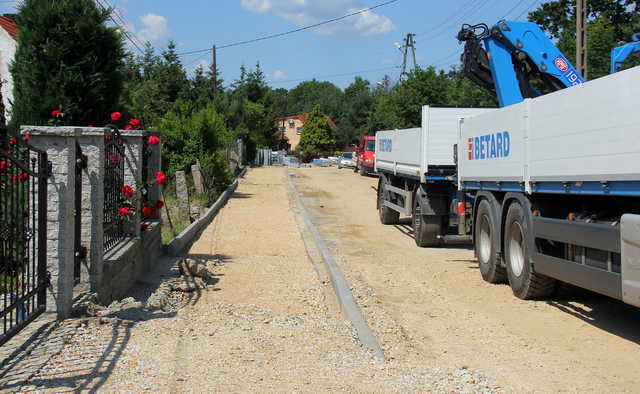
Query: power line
535	2
512	9
339	75
122	28
290	31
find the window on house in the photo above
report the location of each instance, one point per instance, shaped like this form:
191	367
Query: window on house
299	130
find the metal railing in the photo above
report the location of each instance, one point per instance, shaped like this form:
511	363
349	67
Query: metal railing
23	235
114	222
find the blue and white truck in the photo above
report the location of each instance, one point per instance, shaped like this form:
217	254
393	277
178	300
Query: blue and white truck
547	186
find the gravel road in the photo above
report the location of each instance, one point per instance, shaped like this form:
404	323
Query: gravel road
267	321
574	342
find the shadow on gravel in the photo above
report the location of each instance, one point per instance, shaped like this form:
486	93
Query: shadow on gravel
602	312
79	355
241	195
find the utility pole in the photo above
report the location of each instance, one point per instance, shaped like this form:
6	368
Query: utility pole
581	36
214	71
409	43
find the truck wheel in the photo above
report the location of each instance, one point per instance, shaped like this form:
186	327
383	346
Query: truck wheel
363	171
426	228
387	215
524	282
485	247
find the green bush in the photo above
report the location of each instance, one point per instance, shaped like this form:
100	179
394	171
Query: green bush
67	59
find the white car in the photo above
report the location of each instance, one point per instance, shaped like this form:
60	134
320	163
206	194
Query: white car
346	160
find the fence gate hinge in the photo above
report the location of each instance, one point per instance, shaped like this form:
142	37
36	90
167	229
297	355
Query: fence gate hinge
82	162
81	253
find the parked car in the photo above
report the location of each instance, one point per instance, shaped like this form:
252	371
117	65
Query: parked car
346	160
333	159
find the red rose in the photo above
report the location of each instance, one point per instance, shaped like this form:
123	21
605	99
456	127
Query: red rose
153	140
134	122
128	191
14	178
3	166
144	226
148	211
23	177
26	137
90	125
55	113
128	127
161	179
13	140
115	116
159	204
124	211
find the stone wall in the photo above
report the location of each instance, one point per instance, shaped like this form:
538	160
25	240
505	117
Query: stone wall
109	274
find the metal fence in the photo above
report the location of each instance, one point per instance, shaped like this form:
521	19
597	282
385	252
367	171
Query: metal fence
114	222
23	235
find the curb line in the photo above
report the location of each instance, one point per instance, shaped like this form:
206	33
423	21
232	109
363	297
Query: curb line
180	242
348	304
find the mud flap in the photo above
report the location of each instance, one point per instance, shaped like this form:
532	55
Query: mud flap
630	249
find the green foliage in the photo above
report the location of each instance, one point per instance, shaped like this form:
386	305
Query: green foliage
357	105
190	136
68	59
610	22
317	135
304	97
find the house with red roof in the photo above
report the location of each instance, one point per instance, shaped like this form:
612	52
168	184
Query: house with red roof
8	36
290	129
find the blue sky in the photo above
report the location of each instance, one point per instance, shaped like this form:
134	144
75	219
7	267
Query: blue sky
358	44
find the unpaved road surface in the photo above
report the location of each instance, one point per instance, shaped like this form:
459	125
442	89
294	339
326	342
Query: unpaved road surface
268	321
571	343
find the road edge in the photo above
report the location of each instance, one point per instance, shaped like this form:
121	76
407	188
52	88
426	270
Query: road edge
342	290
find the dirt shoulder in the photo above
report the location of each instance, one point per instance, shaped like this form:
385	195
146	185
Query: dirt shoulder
575	343
267	321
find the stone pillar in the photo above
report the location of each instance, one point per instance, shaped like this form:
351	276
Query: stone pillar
182	193
133	173
154	163
91	143
197	178
59	143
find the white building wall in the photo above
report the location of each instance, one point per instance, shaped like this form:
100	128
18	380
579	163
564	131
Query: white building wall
7	52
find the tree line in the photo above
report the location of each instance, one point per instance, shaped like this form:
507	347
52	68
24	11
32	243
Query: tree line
70	59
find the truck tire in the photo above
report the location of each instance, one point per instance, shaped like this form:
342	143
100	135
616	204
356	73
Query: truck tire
485	245
387	215
525	283
363	171
426	228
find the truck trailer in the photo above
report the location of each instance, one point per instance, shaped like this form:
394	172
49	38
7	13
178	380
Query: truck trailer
547	187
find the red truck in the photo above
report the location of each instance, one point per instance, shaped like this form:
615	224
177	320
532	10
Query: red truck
366	155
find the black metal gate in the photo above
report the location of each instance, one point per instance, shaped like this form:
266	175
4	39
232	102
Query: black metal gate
114	222
23	235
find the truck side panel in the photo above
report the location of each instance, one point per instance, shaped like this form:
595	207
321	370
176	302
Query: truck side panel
491	146
398	151
589	132
442	135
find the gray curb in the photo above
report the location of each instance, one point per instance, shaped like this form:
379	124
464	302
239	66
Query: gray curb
348	304
179	245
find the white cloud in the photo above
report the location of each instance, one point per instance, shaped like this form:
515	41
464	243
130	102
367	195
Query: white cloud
279	75
307	12
202	63
155	28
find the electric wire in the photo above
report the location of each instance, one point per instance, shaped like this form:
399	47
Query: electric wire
122	28
518	4
268	37
338	75
533	4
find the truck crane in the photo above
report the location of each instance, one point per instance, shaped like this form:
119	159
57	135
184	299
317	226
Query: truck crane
547	186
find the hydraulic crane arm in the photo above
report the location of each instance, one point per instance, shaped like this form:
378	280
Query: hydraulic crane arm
515	60
621	53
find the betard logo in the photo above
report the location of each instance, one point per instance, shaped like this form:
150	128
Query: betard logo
490	146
